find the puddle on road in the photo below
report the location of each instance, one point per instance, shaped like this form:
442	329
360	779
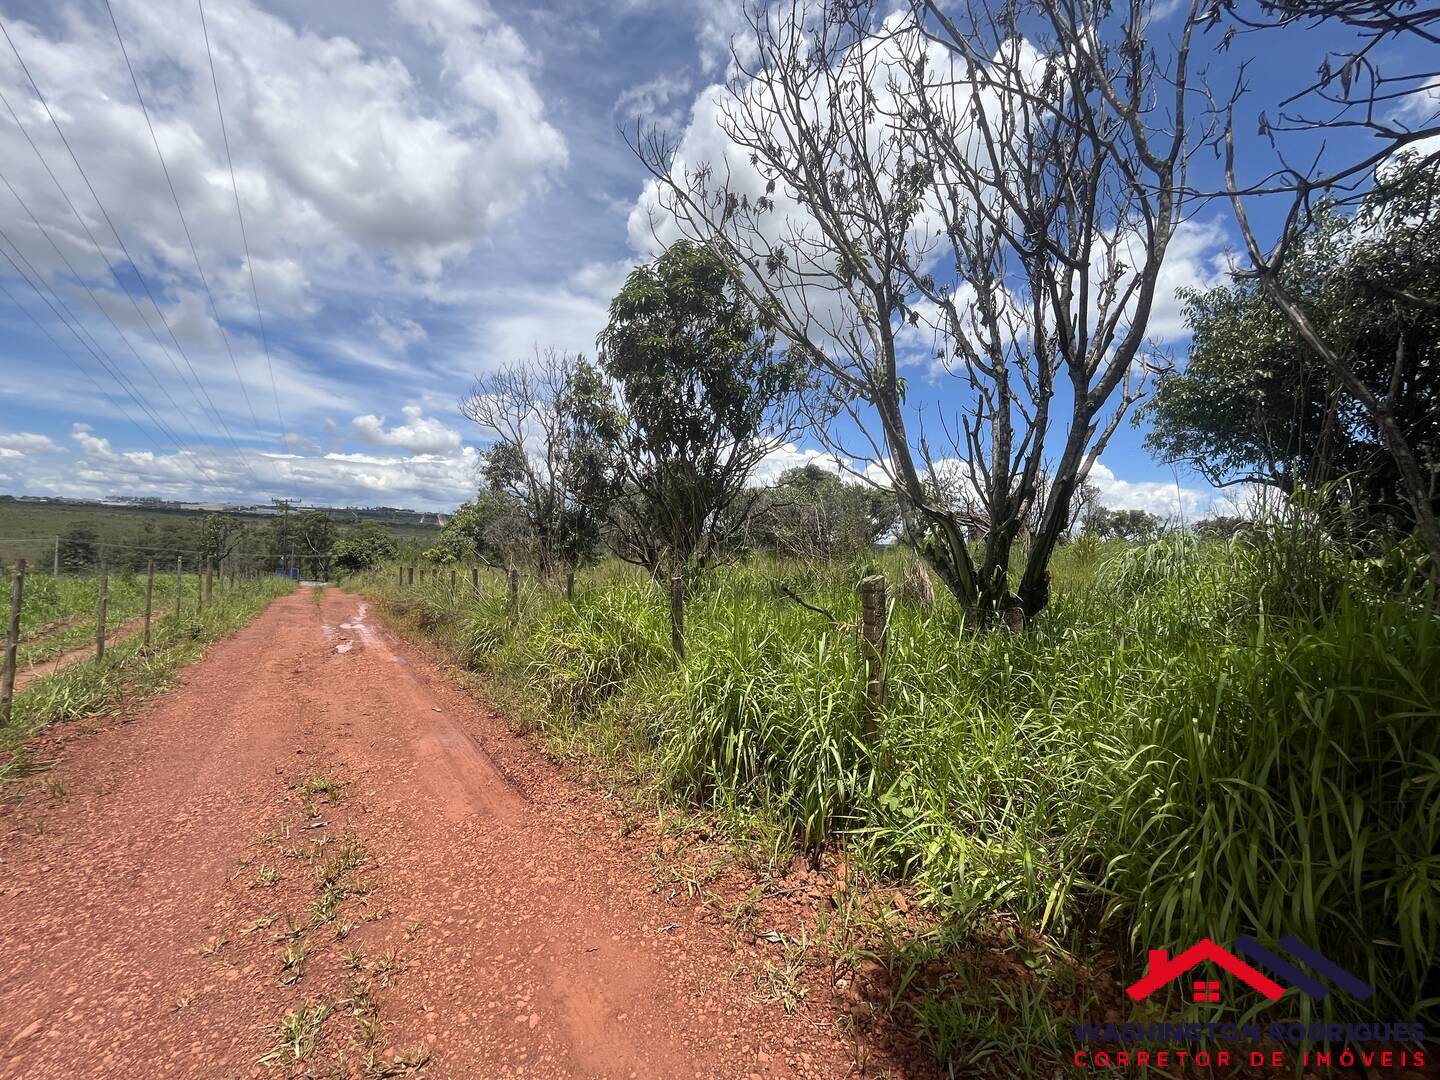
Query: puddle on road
367	635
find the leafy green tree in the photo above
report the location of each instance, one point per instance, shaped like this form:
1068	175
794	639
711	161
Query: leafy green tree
79	549
1221	526
220	536
492	528
303	541
704	397
1258	403
813	513
366	545
1135	525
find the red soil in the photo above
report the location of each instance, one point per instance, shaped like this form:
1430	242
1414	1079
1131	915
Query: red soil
529	935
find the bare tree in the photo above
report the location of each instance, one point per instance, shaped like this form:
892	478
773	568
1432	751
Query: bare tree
986	205
1399	113
546	454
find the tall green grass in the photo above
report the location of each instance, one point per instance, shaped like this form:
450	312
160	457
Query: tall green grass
1195	739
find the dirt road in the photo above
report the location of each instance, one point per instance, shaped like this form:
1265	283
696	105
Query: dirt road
319	820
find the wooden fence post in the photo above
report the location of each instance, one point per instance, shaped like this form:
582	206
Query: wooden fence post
570	585
402	577
12	641
179	582
100	616
149	598
872	646
452	582
677	614
209	580
57	557
514	594
410	576
475	580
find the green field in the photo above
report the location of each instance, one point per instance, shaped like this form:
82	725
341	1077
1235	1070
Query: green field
59	614
27	530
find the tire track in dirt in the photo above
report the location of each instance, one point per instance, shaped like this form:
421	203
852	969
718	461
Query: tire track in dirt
32	672
527	935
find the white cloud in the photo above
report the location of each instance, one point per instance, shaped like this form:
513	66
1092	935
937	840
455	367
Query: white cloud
362	173
419	434
658	101
24	442
791	456
434	480
398	333
1171	501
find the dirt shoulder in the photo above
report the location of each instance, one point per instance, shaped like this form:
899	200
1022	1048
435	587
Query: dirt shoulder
320	825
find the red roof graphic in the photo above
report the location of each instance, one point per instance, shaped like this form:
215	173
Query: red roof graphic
1163	970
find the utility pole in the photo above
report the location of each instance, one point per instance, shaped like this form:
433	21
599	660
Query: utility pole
287	549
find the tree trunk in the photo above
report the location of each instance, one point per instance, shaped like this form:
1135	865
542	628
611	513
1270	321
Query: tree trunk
1406	463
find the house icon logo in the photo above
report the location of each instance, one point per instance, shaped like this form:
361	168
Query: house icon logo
1163	970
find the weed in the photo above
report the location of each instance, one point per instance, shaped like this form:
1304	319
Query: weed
262	923
55	789
1258	707
782	983
266	877
386	968
214	945
296	1036
292	961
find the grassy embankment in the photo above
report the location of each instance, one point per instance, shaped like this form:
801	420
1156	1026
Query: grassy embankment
1195	739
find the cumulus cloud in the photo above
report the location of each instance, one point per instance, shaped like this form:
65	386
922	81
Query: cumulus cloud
341	153
419	434
1169	500
791	456
363	170
394	477
24	442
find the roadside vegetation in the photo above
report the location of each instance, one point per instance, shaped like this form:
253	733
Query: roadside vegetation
1088	731
130	670
1197	738
59	613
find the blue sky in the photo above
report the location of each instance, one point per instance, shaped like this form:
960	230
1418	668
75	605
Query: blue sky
430	188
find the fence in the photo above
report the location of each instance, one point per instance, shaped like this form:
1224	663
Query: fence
64	555
873	627
46	611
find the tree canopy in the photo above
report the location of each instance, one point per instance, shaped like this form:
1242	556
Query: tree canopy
704	396
1257	404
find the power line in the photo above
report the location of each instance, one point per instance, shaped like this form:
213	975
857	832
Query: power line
189	239
102	356
99	306
34	86
235	188
66	353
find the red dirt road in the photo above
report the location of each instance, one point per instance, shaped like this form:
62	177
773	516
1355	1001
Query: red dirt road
158	879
